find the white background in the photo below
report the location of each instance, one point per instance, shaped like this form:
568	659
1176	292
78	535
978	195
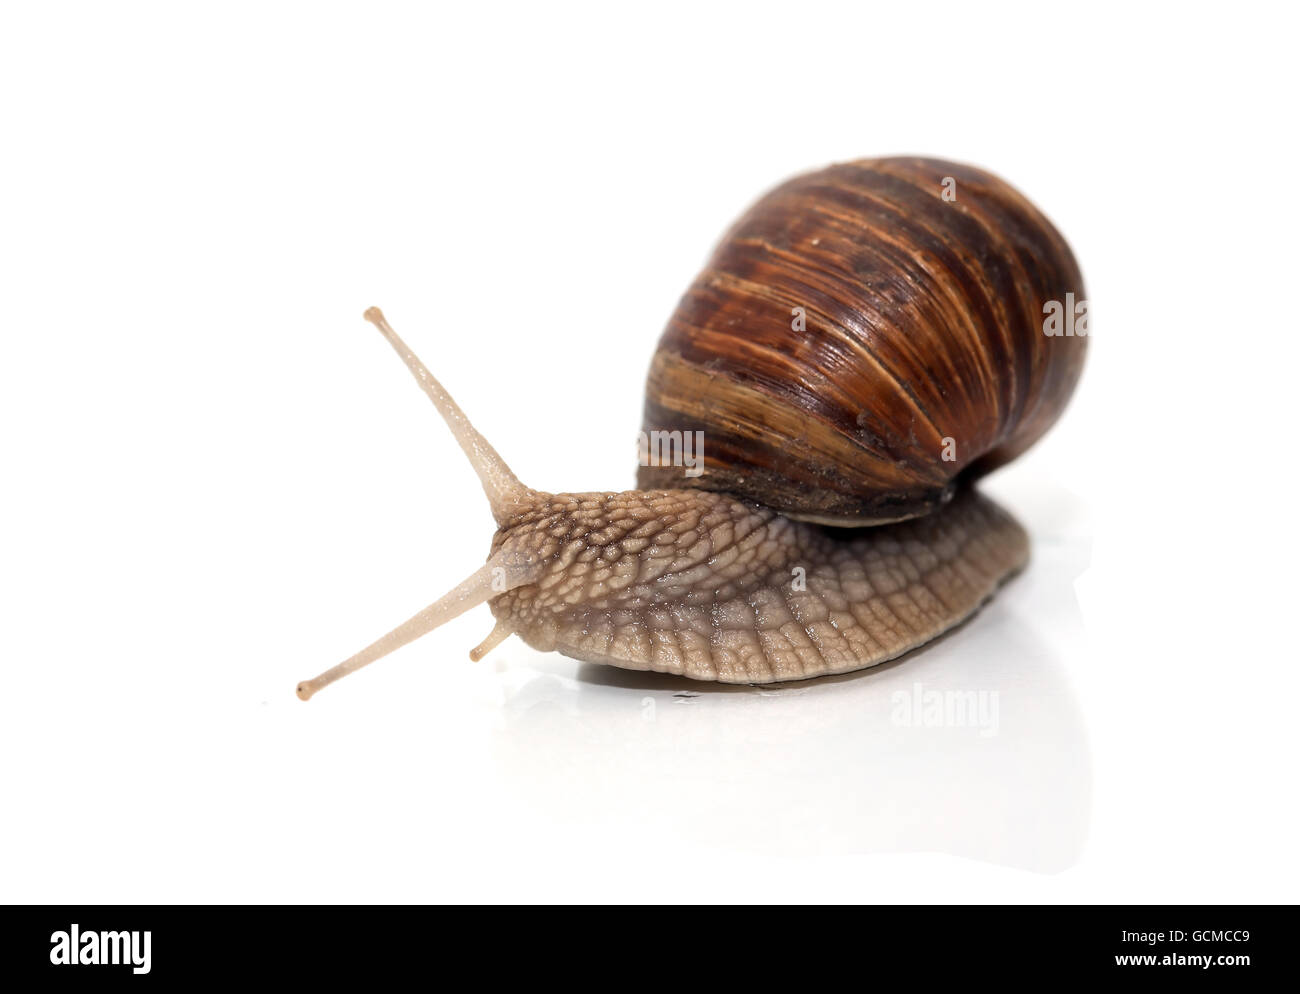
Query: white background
217	480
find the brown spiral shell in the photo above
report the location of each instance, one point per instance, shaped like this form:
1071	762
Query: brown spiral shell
924	322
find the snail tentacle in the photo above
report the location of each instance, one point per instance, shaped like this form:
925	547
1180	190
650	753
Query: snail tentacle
504	491
503	572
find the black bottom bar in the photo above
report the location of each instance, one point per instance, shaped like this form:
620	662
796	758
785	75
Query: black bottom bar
134	946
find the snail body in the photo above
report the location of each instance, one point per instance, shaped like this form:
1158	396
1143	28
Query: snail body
858	350
710	587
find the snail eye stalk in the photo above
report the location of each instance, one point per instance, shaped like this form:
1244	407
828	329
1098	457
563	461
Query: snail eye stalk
505	494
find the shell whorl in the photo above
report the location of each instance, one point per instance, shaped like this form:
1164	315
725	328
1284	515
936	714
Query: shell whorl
923	337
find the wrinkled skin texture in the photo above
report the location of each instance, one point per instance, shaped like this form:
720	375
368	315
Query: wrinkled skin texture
706	586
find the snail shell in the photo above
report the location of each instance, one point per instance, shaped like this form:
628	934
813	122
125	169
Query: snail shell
922	320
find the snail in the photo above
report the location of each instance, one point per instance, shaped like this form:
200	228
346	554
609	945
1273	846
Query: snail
865	342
